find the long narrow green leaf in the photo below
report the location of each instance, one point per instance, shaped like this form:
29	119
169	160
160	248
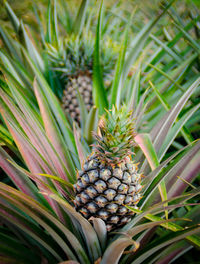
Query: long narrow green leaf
80	18
175	130
99	93
166	48
55	25
13	18
165	241
54	135
11	46
18	178
91	124
133	97
55	106
116	249
171	117
191	40
48	21
80	150
82	107
144	141
89	233
30	47
116	84
7	62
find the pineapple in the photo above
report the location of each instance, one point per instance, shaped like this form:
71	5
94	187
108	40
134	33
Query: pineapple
73	64
109	178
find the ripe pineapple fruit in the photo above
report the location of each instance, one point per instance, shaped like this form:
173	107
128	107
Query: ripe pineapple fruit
73	63
109	178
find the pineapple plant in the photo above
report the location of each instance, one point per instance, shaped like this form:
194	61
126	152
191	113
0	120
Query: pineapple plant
73	66
109	178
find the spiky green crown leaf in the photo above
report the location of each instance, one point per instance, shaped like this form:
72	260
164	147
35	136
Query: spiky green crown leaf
75	55
116	136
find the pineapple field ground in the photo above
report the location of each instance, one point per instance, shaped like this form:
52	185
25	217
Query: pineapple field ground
100	132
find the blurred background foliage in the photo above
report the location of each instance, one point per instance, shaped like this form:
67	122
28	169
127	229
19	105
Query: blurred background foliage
23	9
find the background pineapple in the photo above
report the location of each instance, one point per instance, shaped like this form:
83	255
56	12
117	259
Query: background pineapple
109	179
72	64
83	83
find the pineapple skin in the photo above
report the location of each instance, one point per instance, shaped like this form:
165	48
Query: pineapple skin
70	102
102	191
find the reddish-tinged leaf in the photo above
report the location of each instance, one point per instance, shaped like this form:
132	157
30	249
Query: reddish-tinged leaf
54	105
116	249
86	228
35	132
32	158
144	142
148	180
159	132
18	178
181	166
81	154
175	130
26	124
54	136
170	175
190	172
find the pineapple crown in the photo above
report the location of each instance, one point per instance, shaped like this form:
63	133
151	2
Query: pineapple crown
115	137
75	55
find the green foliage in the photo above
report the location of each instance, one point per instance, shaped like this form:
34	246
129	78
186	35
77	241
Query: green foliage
156	76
